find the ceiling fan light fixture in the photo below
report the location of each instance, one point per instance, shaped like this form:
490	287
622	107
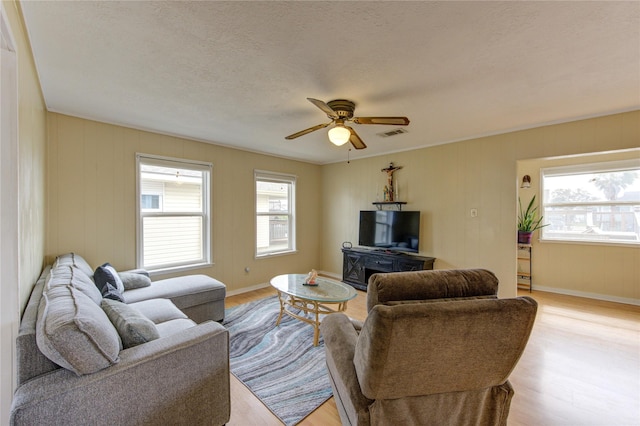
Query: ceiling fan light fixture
339	135
339	111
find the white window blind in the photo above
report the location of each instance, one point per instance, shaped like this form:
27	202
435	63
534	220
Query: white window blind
275	213
173	213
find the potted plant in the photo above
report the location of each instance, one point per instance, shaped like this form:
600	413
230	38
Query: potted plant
528	221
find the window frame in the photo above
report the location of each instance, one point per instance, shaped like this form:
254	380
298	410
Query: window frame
151	209
274	177
207	169
579	169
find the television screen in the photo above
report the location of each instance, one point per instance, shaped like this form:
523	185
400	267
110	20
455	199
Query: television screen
390	230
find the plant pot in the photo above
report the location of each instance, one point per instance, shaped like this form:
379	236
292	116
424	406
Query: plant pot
524	237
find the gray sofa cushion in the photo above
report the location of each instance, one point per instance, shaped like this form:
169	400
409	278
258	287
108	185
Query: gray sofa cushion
65	275
132	326
133	280
159	310
185	292
30	362
74	332
76	260
175	326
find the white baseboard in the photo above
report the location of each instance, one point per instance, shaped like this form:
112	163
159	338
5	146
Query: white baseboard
588	295
247	289
263	285
597	296
330	275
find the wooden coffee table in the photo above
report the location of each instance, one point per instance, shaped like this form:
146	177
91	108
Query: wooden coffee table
311	300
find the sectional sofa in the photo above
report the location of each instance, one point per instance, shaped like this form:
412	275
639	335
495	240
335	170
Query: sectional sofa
157	355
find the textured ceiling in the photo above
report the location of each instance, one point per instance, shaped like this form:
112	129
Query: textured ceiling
238	73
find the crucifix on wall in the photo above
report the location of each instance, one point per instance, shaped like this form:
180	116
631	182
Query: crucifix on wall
389	192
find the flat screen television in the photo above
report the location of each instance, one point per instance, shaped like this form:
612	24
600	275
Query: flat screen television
390	230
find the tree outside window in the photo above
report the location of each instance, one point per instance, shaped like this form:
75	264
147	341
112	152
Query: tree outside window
592	203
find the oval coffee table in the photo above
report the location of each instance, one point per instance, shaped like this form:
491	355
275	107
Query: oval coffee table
293	294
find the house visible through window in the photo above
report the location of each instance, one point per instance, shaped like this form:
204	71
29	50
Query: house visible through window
150	201
173	213
597	202
275	213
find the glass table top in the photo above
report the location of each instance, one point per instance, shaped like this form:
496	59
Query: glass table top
327	290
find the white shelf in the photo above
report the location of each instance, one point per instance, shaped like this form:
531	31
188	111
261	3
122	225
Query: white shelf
524	274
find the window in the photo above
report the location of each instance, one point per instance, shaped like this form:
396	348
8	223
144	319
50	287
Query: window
173	213
597	202
150	202
275	213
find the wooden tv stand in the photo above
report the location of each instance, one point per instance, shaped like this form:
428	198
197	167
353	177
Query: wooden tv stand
359	264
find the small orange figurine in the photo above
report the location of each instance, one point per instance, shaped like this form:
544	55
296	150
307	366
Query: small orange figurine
311	278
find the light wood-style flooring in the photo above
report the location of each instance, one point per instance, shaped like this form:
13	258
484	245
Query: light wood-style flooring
581	367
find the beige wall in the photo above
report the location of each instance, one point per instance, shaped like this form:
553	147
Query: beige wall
91	202
445	182
91	186
31	196
31	153
592	270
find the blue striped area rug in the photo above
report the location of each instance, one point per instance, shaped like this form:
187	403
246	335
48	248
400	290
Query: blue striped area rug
279	364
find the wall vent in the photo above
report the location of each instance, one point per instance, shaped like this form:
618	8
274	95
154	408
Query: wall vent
392	132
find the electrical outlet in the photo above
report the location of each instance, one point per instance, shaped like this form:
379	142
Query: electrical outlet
474	212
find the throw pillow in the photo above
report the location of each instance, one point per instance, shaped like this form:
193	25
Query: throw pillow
110	292
74	332
133	327
107	274
133	280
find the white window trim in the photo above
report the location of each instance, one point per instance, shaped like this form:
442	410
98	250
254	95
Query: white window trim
206	212
606	166
264	175
576	169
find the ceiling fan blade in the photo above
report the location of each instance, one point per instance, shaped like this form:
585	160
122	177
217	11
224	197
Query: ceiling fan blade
395	121
355	139
324	107
309	130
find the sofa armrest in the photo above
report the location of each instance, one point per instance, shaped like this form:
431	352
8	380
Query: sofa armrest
430	284
340	338
179	379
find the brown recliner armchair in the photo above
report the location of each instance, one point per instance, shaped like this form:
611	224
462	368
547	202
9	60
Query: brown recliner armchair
439	355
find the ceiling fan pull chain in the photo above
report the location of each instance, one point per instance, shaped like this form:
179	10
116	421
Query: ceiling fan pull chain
348	160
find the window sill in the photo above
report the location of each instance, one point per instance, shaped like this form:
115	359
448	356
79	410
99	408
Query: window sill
591	243
182	268
280	253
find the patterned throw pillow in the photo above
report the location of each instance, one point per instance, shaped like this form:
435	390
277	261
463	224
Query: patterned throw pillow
108	282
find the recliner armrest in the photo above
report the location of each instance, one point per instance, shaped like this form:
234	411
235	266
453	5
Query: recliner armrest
340	338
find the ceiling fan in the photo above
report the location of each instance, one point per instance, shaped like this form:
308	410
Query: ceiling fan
341	111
